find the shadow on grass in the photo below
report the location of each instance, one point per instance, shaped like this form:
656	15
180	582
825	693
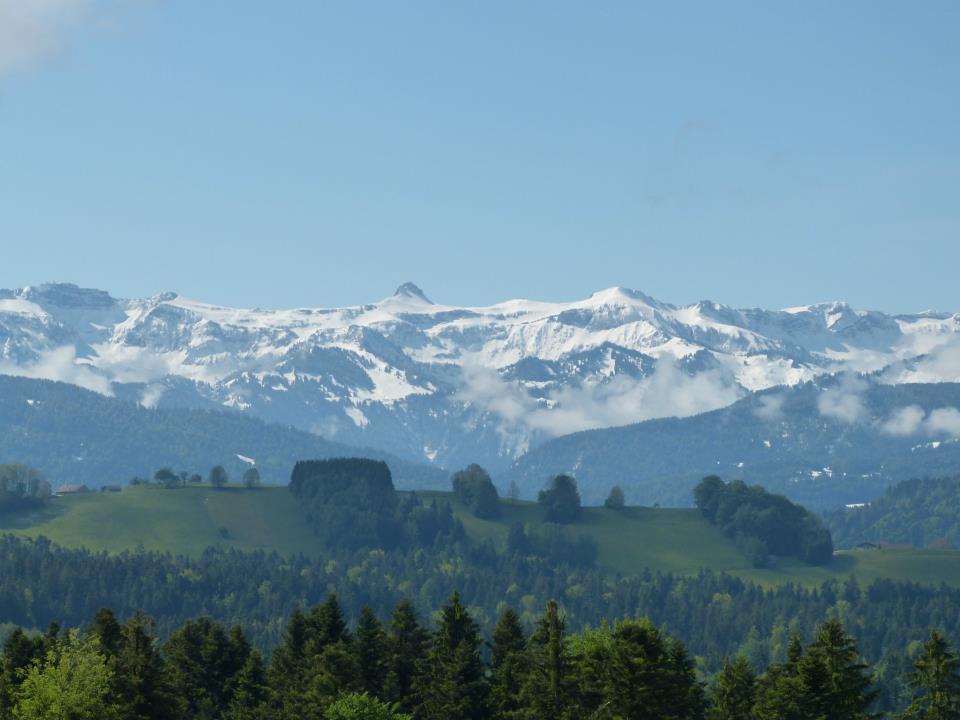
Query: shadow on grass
842	564
22	519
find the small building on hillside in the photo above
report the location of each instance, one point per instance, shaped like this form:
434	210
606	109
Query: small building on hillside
72	489
111	488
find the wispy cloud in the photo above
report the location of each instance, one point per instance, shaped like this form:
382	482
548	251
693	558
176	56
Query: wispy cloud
668	392
913	420
904	421
939	362
844	401
769	408
33	30
944	421
151	395
60	364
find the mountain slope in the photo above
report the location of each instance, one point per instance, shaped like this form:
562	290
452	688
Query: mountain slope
826	443
453	385
77	436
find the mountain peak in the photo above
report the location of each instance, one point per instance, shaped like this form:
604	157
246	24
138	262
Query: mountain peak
67	295
622	296
411	290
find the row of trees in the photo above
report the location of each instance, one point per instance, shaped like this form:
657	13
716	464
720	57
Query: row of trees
217	478
762	523
400	670
22	486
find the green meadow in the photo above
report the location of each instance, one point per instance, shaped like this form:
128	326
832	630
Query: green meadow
188	520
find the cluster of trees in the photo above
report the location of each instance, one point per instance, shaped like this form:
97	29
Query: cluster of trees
560	500
398	669
473	487
921	512
553	543
217	477
763	524
829	680
351	503
21	486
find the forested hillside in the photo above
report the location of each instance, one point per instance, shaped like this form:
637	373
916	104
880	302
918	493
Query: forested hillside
77	436
920	512
823	444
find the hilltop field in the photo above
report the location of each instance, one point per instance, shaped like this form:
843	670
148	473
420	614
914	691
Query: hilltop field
188	520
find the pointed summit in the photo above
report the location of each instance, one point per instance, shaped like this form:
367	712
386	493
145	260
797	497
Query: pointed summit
410	290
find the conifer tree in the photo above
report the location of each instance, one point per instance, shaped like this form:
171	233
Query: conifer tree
287	673
369	646
325	626
144	693
549	687
406	648
936	682
202	661
250	690
332	673
847	695
734	692
794	654
508	663
451	683
107	630
648	676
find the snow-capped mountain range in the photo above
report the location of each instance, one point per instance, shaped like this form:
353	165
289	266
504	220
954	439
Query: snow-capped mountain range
453	385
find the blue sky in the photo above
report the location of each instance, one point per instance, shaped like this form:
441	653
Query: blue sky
321	153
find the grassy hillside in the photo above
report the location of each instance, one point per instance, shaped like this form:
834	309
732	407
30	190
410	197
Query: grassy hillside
183	521
679	541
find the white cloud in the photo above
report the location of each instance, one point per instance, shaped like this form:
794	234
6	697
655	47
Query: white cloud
942	364
668	392
944	421
904	421
844	401
60	364
769	408
912	420
32	30
151	395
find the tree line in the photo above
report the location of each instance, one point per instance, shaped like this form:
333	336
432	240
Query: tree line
217	478
22	487
396	668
